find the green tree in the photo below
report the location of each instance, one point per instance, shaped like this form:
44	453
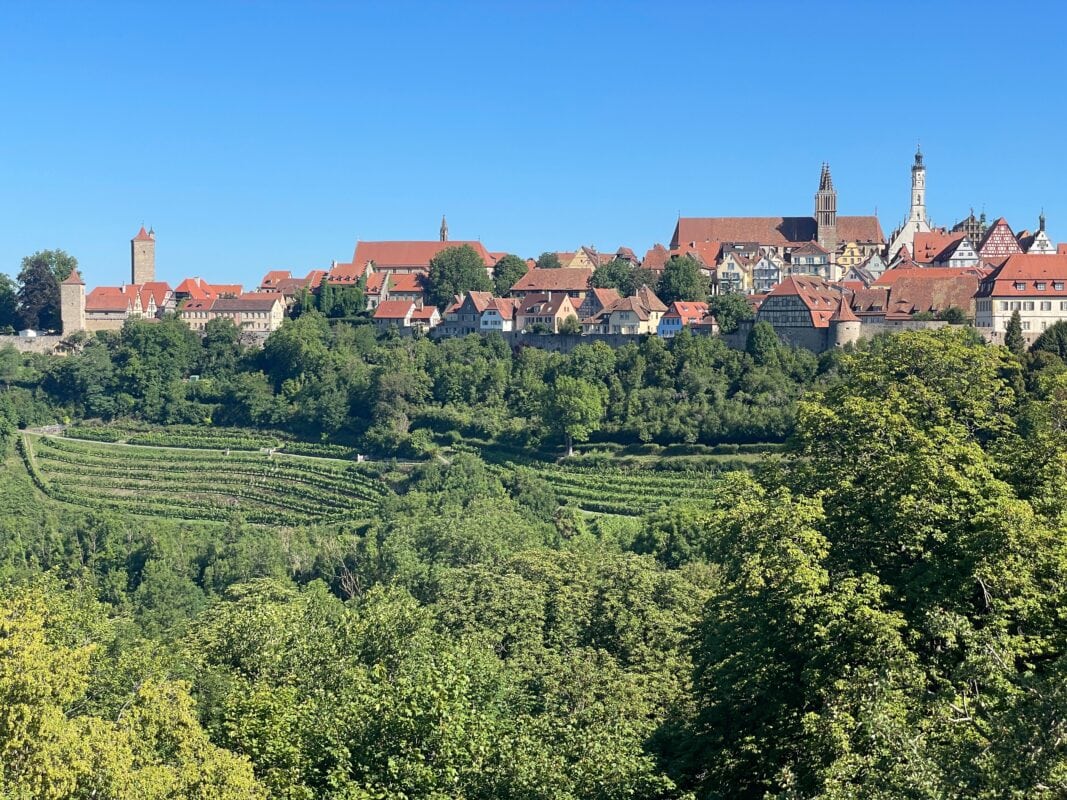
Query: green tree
1053	340
574	410
730	310
682	280
507	272
456	270
762	344
38	294
548	260
613	275
1013	336
954	315
9	319
570	326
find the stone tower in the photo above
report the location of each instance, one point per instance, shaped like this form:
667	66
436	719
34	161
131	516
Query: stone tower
143	257
444	229
918	190
845	326
72	303
826	213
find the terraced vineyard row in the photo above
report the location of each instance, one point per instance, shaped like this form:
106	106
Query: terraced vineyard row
193	484
626	492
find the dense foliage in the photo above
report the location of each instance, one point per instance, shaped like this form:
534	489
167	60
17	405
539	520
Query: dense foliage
879	612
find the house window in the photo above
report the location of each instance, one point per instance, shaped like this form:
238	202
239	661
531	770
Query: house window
1026	326
1041	286
1046	305
1057	285
1003	305
1020	286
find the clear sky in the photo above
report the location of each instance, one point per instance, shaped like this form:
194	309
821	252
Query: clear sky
270	135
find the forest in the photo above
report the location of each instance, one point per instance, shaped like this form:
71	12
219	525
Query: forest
873	607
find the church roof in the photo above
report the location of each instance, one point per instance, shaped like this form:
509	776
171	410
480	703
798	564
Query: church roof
777	231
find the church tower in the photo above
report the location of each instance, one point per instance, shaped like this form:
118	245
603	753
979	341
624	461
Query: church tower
444	229
826	212
918	190
143	257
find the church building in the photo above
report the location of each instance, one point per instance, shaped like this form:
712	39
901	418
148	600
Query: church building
917	221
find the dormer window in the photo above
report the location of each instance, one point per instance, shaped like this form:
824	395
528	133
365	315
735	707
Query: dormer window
1020	286
1041	286
1057	285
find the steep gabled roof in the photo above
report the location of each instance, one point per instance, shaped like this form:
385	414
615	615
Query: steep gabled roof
821	297
554	280
1026	271
394	309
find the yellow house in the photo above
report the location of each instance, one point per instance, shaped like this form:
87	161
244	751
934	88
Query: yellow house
734	274
635	315
851	255
584	258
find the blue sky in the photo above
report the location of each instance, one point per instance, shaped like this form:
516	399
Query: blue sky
266	135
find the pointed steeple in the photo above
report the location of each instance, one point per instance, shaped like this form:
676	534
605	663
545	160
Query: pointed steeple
918	155
74	279
826	182
444	229
1041	220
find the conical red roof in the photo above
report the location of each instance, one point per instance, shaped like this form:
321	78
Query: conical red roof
74	279
143	236
844	312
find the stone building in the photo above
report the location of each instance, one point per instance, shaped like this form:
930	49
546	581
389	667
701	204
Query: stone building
143	257
72	303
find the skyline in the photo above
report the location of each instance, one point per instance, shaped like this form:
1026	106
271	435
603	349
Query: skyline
275	136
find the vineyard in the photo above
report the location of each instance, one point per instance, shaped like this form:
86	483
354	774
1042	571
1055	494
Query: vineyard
627	492
204	485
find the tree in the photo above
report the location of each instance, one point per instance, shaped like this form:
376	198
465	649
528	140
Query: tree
954	315
507	272
548	260
613	275
570	326
574	409
8	304
1053	340
762	344
38	294
1013	336
456	270
682	280
730	310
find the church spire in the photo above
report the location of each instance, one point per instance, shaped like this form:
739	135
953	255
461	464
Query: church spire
1041	220
444	229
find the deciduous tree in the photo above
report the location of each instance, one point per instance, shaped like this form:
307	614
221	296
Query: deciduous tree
456	270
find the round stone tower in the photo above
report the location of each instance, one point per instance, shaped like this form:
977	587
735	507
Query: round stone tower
844	325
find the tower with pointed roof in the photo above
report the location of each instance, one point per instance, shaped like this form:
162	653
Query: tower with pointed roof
72	303
917	221
143	257
444	229
826	212
918	189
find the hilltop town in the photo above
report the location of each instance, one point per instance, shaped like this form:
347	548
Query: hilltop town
821	281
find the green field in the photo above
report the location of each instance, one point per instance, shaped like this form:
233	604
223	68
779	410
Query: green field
200	484
626	492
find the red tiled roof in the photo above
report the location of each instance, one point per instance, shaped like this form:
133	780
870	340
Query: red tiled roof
108	298
604	296
912	295
778	231
821	297
1061	249
74	279
891	276
688	312
425	313
656	258
199	289
143	236
843	312
375	282
503	306
928	246
542	304
649	300
393	309
274	277
554	280
157	291
1027	270
249	301
406	282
